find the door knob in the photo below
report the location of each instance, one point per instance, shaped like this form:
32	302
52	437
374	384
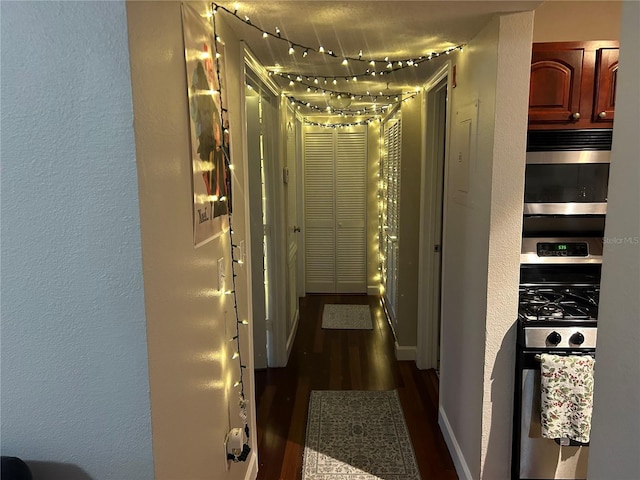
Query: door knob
296	229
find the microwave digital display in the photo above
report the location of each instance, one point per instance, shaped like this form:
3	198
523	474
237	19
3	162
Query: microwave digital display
557	249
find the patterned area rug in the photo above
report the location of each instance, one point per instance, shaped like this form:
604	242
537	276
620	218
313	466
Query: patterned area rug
357	435
350	317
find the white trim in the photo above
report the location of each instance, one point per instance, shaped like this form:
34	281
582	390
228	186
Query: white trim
279	259
292	334
405	353
427	331
276	127
373	290
254	64
252	469
462	469
300	288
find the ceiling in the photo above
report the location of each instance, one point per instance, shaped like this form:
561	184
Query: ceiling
407	31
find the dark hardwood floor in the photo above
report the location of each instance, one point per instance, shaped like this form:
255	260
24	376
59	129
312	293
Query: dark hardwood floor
343	360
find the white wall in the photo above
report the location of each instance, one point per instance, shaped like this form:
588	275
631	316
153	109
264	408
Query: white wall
75	391
507	193
189	325
616	418
481	250
409	235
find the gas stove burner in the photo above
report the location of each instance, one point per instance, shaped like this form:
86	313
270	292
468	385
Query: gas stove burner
550	310
558	303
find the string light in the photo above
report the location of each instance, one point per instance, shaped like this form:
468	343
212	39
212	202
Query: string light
352	95
350	112
237	354
403	63
340	125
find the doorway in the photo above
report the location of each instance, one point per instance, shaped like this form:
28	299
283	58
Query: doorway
435	133
261	119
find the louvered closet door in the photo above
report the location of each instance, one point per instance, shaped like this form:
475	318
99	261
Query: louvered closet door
319	228
391	177
351	212
335	176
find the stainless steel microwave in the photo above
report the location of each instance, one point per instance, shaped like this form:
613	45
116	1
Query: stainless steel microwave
567	176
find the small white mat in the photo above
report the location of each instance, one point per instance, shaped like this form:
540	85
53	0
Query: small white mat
348	317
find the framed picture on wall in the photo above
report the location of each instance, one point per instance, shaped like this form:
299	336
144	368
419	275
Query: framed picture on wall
209	134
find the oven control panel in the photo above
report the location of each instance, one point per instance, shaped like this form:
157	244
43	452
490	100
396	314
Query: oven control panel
560	337
564	249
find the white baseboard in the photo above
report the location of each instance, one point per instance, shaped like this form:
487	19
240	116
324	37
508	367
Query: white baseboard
252	470
405	353
373	290
462	469
292	335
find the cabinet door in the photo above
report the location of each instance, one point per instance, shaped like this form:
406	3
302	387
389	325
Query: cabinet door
605	90
554	92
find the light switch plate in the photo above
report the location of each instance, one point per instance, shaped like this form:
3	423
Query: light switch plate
221	275
241	252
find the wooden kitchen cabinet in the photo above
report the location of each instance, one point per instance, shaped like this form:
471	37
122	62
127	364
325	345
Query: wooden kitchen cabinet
572	85
605	86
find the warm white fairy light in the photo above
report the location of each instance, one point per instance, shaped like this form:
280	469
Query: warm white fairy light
237	355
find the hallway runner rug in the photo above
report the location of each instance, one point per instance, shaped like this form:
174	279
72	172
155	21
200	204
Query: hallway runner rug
348	317
357	435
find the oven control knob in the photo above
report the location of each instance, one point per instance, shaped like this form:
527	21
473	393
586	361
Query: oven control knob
554	338
577	338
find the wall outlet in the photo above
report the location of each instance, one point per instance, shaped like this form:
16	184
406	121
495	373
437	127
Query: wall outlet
233	445
221	275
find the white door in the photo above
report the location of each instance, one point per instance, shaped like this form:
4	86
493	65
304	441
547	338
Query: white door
262	121
290	182
351	211
335	166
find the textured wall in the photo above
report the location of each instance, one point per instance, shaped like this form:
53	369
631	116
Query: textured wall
193	401
507	192
616	419
465	254
75	400
482	246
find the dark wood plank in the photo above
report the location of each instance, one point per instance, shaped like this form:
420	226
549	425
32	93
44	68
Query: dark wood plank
347	360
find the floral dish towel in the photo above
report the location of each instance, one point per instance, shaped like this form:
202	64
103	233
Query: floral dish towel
566	385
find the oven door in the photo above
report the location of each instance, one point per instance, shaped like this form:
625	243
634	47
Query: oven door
536	457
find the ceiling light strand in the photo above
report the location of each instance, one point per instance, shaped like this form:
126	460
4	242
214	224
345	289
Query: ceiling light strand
352	112
374	62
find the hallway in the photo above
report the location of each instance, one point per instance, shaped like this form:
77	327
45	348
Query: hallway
343	360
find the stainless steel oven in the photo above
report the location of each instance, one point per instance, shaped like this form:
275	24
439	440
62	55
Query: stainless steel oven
567	172
558	309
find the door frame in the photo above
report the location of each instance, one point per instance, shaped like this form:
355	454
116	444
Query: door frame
433	184
276	317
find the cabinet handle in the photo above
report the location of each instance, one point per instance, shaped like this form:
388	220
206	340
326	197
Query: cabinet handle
602	115
576	116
